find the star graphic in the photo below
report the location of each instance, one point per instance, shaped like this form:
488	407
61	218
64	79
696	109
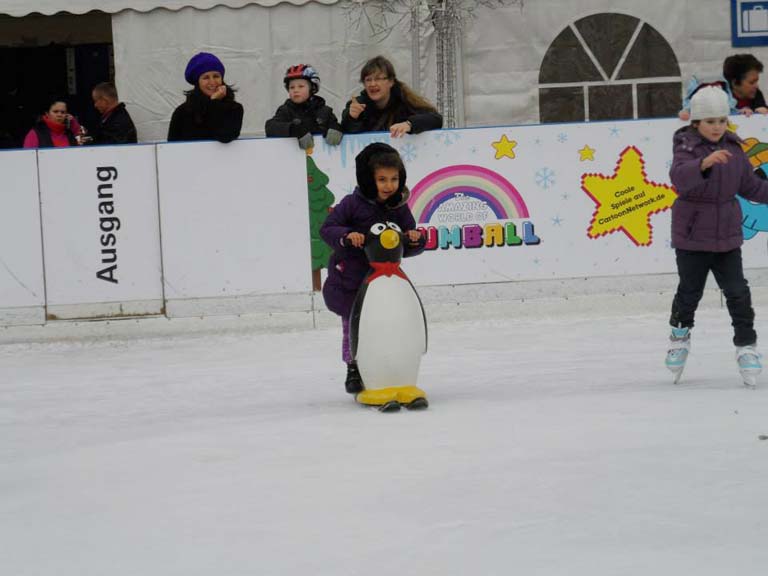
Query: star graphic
557	221
586	153
626	200
504	147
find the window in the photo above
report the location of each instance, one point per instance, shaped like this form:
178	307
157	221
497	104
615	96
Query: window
608	67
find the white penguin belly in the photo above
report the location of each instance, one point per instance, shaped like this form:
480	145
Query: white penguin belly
391	335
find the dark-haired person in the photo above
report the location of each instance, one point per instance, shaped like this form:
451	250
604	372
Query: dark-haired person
115	124
210	111
56	128
386	103
742	72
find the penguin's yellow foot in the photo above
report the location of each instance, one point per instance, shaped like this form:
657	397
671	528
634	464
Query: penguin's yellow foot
407	394
377	397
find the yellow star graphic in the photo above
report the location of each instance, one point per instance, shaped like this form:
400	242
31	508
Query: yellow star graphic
504	147
586	153
732	127
626	200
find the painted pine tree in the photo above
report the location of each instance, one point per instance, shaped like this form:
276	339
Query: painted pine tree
320	201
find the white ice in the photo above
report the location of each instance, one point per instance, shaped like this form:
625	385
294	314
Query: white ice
553	446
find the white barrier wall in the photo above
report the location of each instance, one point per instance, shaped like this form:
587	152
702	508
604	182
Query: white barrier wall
235	225
22	292
507	208
101	232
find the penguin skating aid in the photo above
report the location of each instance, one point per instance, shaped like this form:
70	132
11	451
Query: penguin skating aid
388	329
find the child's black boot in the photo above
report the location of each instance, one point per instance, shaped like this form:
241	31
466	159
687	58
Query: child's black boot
354	383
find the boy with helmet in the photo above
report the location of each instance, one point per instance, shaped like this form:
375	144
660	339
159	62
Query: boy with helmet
304	112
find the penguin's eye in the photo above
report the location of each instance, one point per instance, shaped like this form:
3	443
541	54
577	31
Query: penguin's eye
377	229
394	226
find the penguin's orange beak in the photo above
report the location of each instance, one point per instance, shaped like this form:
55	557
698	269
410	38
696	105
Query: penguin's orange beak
389	239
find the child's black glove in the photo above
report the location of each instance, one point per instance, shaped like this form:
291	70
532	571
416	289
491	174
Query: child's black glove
298	128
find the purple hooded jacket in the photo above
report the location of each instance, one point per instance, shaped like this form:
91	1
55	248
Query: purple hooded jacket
357	212
706	216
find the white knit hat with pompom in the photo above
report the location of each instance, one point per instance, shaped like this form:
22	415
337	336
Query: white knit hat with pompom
709	102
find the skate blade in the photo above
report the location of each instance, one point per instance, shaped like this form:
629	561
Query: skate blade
677	373
750	380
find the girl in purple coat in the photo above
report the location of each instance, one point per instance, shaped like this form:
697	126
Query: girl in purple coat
380	196
708	169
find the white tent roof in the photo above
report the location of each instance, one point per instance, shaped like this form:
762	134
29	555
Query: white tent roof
24	7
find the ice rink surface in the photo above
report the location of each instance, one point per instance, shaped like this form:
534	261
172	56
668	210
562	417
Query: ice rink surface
553	446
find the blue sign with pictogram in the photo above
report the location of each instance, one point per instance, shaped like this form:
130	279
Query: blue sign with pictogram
749	23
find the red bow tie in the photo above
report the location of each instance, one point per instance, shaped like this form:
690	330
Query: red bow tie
385	269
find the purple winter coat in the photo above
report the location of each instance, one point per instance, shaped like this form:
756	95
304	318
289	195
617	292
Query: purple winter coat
348	266
706	216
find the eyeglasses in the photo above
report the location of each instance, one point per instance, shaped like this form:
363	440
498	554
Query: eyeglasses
376	80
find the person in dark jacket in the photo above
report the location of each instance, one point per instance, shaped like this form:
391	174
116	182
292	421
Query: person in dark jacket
304	113
210	111
742	71
709	169
115	124
386	103
380	196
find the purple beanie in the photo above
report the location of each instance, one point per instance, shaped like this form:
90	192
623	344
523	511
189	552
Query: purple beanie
201	63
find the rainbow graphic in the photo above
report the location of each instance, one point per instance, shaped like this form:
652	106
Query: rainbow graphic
469	181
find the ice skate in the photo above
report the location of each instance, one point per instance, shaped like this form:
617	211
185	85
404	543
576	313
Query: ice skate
750	366
354	382
677	353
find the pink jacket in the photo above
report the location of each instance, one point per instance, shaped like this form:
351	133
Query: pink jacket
59	140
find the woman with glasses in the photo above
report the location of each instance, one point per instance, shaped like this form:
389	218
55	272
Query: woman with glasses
386	103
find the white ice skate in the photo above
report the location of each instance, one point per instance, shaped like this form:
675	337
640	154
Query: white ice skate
677	353
749	364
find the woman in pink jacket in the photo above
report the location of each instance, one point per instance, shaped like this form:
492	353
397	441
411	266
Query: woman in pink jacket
56	128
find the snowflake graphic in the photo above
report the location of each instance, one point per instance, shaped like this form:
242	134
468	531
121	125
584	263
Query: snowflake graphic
473	149
614	131
408	152
447	137
562	137
545	178
557	221
669	164
565	195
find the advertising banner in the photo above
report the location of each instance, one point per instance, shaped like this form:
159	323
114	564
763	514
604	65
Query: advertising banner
543	202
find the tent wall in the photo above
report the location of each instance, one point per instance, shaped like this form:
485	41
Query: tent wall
256	44
503	50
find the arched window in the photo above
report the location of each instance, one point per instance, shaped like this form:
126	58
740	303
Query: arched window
608	67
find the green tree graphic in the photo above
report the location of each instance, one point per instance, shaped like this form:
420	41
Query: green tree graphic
320	200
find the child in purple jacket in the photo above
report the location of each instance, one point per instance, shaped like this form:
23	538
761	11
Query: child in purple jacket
380	196
709	169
